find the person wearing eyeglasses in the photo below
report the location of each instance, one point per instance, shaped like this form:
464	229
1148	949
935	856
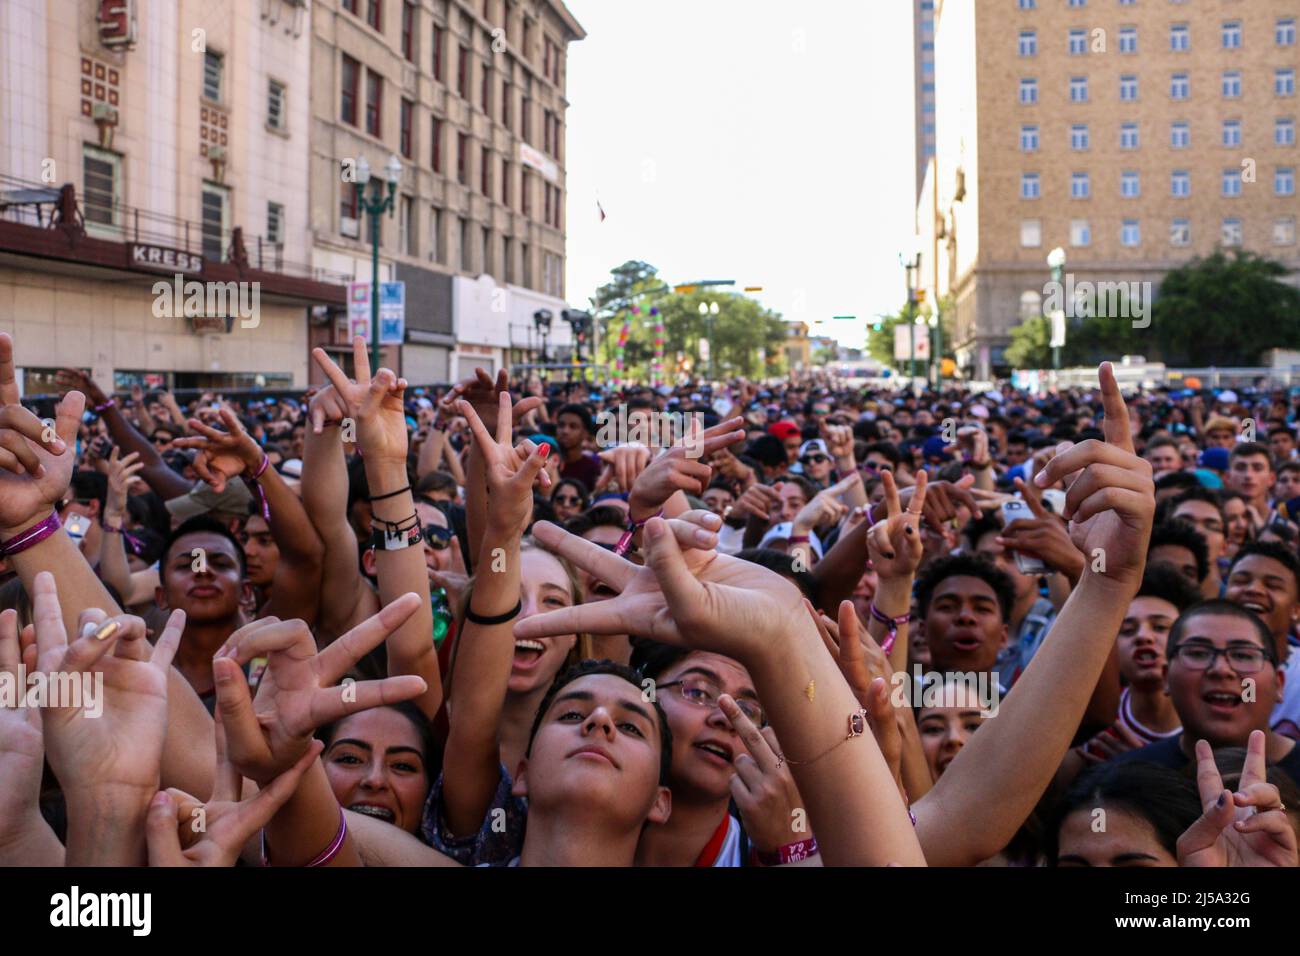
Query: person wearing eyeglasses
711	763
568	499
1224	680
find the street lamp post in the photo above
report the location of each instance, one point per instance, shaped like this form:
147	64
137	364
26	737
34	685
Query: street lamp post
911	267
376	206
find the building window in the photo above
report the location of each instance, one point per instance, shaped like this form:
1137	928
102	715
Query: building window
1031	233
1077	3
101	179
1180	87
1078	89
1128	88
464	244
462	154
1028	43
526	120
485	249
1180	183
275	93
1231	35
1130	185
1232	182
1130	233
350	6
1284	132
275	223
436	245
1128	40
1080	233
348	102
505	104
1284	181
408	30
507	261
1284	83
1028	139
1231	232
525	257
373	9
1128	136
1028	4
1180	232
406	226
1079	136
438	40
505	182
1080	186
1284	32
1231	85
485	171
437	144
213	74
1078	42
485	90
215	225
462	73
374	103
348	212
1232	132
407	138
1284	232
1029	188
1028	92
546	198
525	193
1180	135
1180	38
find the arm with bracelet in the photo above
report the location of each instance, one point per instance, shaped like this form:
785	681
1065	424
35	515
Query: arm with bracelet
377	406
113	567
471	762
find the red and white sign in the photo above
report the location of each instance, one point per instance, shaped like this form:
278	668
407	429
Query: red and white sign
539	161
116	22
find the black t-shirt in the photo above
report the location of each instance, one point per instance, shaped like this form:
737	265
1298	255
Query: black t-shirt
1169	753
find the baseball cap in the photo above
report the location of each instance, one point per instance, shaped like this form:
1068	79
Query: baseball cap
936	447
783	429
1215	459
203	498
814	446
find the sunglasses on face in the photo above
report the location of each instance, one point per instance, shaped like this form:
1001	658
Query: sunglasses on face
813	459
435	537
567	500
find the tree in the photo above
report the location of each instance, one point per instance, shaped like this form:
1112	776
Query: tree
1029	346
1223	310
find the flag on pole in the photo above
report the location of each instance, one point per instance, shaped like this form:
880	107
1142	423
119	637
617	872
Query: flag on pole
600	210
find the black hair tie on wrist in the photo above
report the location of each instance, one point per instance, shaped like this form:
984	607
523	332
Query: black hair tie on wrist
391	494
494	619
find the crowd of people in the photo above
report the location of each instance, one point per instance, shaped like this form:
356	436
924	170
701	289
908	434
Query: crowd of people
512	622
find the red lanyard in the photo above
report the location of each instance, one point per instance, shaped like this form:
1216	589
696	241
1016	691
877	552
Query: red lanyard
709	855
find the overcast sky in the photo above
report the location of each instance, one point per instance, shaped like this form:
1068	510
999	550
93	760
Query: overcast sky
763	141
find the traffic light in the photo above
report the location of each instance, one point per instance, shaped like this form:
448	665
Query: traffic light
920	297
876	327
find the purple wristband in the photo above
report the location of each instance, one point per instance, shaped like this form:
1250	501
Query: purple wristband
105	406
625	542
32	536
325	855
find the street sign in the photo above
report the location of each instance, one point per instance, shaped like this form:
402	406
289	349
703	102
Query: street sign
392	313
359	310
903	343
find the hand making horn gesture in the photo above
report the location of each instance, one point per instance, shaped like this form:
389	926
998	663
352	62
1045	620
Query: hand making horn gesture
894	544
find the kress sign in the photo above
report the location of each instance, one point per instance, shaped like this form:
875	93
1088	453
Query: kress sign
142	255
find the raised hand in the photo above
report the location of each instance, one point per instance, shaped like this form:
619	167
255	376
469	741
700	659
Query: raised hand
175	834
894	544
1246	828
482	392
945	501
22	749
298	691
326	407
1043	536
35	461
120	472
839	441
758	500
624	464
113	740
764	791
510	472
222	455
1111	501
721	604
376	404
681	467
74	379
